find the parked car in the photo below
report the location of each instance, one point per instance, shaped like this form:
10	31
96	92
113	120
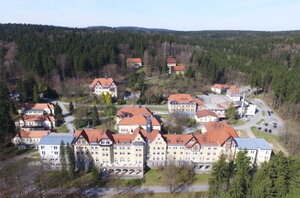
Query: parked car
259	128
266	130
270	130
266	124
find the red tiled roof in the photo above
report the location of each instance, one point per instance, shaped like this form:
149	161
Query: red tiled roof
32	134
221	86
146	135
132	111
218	136
138	120
178	68
94	135
205	112
181	98
104	82
28	118
38	106
178	139
134	60
199	102
215	125
171	60
234	89
123	138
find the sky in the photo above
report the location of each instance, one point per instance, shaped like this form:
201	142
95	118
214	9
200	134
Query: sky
185	15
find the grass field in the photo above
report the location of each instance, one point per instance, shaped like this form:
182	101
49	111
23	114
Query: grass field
273	139
165	195
62	129
242	133
261	121
9	152
236	122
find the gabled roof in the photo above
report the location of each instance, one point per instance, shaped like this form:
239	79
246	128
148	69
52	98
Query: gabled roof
94	135
30	118
123	138
171	60
205	112
132	111
252	143
55	140
215	125
234	89
178	139
134	60
147	136
181	98
38	106
178	68
138	120
104	82
221	86
199	102
32	134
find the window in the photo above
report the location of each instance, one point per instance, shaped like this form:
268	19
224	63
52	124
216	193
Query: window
55	152
55	147
43	152
42	147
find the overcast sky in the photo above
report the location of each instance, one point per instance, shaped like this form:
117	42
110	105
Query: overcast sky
270	15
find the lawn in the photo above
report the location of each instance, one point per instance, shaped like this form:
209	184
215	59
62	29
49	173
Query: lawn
242	133
162	108
15	166
62	129
164	116
165	195
154	177
263	113
236	122
273	139
9	152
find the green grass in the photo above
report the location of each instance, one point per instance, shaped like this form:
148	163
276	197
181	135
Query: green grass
162	108
236	122
9	152
202	178
261	121
62	129
18	165
263	113
165	195
153	177
35	155
164	116
242	133
273	139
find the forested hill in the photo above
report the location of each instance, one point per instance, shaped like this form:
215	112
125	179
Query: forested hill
269	60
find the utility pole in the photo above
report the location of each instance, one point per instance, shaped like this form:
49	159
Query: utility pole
242	109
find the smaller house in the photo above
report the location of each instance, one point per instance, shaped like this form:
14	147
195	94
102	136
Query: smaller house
245	108
179	69
211	126
104	85
205	115
37	122
127	125
182	103
234	93
37	109
258	150
29	139
219	88
130	111
134	62
171	62
49	148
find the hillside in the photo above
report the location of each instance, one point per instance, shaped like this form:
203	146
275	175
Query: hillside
56	54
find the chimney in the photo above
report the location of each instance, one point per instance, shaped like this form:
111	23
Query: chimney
148	125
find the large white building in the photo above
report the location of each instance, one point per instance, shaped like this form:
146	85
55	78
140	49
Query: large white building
37	122
104	85
258	150
24	139
49	148
37	109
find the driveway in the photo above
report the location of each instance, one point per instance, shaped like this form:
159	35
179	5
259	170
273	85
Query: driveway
68	118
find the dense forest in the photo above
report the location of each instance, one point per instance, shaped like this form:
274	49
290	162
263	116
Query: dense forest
269	60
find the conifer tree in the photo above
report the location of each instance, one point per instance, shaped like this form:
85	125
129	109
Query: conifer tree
241	181
62	156
219	177
71	107
95	117
70	159
7	125
35	94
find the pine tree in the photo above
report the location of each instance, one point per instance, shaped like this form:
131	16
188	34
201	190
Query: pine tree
7	125
62	156
35	94
189	73
219	177
241	181
95	117
59	118
71	107
70	159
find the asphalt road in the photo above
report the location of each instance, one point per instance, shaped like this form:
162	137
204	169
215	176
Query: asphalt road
101	192
68	118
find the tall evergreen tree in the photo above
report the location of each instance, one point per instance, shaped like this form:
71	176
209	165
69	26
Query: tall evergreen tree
219	177
241	181
35	94
62	156
59	118
70	160
189	73
95	117
71	107
7	125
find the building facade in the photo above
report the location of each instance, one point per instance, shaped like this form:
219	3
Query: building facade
37	109
37	122
219	88
205	115
49	148
29	139
134	62
233	93
103	86
182	103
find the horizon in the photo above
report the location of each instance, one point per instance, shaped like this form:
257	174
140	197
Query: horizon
192	15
